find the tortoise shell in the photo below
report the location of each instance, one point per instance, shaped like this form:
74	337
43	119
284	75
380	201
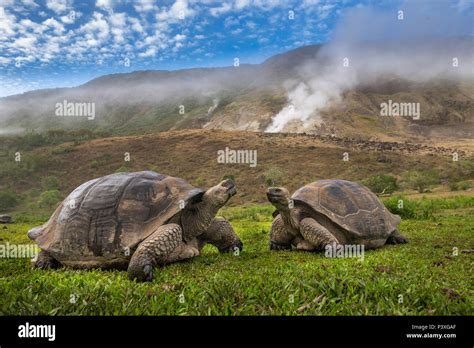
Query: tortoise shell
350	205
105	217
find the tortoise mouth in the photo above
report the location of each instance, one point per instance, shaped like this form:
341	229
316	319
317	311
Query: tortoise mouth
232	190
230	186
273	198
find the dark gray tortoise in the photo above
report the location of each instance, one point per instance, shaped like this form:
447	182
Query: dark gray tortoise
329	212
135	220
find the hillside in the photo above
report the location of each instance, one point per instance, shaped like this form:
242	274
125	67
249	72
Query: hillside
248	97
282	159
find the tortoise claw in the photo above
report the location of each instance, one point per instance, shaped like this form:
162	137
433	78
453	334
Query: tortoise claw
278	246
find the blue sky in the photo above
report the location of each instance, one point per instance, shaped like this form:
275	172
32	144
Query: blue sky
61	43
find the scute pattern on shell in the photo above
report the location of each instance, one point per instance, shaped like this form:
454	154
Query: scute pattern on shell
106	217
350	205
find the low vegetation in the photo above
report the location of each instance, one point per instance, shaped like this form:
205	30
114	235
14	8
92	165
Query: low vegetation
8	200
420	181
283	159
381	184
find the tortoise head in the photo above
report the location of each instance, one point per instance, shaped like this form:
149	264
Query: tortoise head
199	215
279	197
218	195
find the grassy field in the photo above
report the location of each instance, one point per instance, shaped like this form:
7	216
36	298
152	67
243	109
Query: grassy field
432	275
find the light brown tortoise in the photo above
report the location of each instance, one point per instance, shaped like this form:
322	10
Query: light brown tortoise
331	212
136	220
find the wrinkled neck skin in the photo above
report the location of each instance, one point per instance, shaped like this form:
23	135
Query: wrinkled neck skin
289	218
197	219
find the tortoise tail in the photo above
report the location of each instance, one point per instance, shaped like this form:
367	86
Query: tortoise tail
35	232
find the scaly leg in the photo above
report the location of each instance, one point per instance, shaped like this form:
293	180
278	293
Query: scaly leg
280	239
396	238
154	250
184	251
316	234
46	261
221	234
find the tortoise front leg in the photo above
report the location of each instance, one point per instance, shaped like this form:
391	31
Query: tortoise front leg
396	238
280	239
154	250
221	234
45	261
317	235
184	251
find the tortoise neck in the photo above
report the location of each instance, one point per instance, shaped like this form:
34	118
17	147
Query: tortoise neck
197	221
288	217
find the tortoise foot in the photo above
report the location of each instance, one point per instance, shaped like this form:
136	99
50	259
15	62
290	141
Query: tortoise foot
46	261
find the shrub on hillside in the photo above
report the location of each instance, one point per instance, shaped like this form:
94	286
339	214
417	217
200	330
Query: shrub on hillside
121	169
8	200
229	176
381	184
274	176
460	171
459	186
464	185
412	209
401	206
420	180
50	183
200	182
49	199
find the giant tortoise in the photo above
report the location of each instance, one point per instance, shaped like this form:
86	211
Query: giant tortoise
135	220
330	212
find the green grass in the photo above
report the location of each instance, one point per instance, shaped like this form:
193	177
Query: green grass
264	282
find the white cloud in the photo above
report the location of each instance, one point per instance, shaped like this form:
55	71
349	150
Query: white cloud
29	3
179	10
236	31
217	11
96	26
251	25
58	6
5	60
70	17
263	4
177	46
26	24
55	25
230	21
179	37
149	53
136	25
145	5
6	3
106	4
239	4
24	42
7	23
118	19
22	60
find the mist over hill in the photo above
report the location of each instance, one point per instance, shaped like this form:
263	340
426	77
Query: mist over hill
337	88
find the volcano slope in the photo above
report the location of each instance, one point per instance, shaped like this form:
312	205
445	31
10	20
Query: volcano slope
287	159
